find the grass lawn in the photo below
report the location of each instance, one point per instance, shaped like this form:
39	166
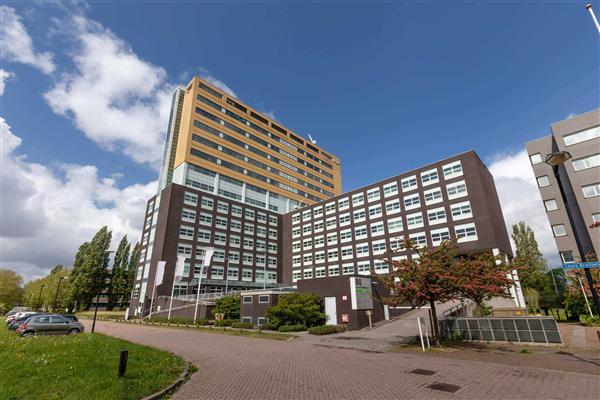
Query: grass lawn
80	367
101	314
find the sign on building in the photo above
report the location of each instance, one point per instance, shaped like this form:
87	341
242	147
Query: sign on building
361	294
589	264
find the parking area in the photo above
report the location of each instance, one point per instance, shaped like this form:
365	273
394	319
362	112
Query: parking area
231	367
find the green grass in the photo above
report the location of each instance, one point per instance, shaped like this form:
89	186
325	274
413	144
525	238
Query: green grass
80	367
101	314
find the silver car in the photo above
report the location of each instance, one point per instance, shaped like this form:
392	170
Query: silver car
49	325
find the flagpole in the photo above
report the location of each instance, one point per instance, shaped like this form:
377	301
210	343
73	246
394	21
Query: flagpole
208	252
171	301
227	276
152	300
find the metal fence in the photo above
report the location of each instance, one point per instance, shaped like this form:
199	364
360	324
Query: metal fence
540	330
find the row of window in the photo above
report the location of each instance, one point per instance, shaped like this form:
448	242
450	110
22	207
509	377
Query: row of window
221	222
592	190
230	274
360	267
579	164
208	203
435	216
463	233
185	249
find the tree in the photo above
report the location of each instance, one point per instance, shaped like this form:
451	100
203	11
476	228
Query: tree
119	275
529	256
11	292
426	280
229	305
45	292
297	309
479	278
89	269
130	275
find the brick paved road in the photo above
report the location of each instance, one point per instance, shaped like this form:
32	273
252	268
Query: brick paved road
248	368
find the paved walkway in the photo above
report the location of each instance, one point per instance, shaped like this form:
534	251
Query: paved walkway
231	367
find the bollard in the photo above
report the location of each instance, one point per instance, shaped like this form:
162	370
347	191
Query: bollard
123	362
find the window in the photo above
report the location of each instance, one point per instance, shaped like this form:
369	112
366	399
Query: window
360	232
559	230
261	217
411	202
535	158
419	239
272	220
246	274
452	170
439	235
394	225
465	233
392	207
347	252
567	256
409	183
186	232
317	212
346	235
543	181
306	215
380	267
596	217
586	162
550	205
249	215
331	223
362	250
307	244
184	249
249	229
203	235
247	259
188	215
217	272
318	226
205	219
207	203
461	210
433	196
261	231
249	244
397	243
221	222
373	194
220	238
377	229
296	275
591	190
332	255
359	215
344	219
429	177
358	199
236	210
343	203
364	268
334	270
319	257
329	208
234	257
414	221
320	272
436	216
348	269
319	241
247	299
261	320
296	232
232	273
375	212
234	241
308	274
263	298
332	239
378	247
191	199
222	207
295	218
582	136
390	189
456	190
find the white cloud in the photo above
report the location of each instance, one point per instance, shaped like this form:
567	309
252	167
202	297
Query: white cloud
521	200
114	97
17	44
207	76
46	214
4	76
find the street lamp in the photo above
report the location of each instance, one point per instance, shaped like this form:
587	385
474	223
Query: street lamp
101	285
39	302
57	289
555	160
589	8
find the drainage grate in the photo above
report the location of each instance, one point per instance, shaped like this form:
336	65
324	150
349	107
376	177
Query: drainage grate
444	387
420	371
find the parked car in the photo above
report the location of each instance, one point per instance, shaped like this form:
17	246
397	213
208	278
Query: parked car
50	324
71	317
19	315
12	325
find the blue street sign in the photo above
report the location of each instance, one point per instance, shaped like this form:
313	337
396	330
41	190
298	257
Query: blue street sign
591	264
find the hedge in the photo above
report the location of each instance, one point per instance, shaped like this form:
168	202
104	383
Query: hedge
291	328
242	325
326	329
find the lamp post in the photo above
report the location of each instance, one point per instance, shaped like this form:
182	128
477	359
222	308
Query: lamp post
101	286
589	8
39	302
555	160
57	289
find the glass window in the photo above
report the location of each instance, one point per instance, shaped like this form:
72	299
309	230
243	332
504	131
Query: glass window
543	181
390	189
190	199
436	216
465	233
567	256
536	158
582	136
456	190
586	162
409	183
334	270
411	202
392	207
430	177
433	196
559	230
452	170
551	205
373	194
591	190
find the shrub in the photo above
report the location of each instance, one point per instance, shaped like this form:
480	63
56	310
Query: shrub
269	326
242	325
229	305
326	329
295	309
225	322
589	321
291	328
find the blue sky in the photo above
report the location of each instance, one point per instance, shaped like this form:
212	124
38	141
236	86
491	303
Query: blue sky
387	85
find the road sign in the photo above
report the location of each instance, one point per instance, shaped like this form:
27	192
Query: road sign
589	264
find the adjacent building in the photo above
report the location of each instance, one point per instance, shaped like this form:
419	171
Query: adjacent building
577	181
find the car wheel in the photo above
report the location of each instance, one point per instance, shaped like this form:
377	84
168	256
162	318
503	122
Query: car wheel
28	334
73	331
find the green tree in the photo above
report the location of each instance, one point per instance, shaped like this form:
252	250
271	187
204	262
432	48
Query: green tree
89	269
229	305
297	308
130	275
11	290
45	293
529	256
553	290
575	304
118	282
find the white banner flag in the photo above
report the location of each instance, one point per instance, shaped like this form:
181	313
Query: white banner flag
208	253
160	273
179	268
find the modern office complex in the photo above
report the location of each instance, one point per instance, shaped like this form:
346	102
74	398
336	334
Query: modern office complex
270	205
571	182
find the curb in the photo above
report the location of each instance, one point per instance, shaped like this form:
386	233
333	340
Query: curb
172	387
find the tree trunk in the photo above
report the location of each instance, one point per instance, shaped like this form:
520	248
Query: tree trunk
435	328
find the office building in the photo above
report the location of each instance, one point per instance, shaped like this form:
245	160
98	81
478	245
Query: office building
578	178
